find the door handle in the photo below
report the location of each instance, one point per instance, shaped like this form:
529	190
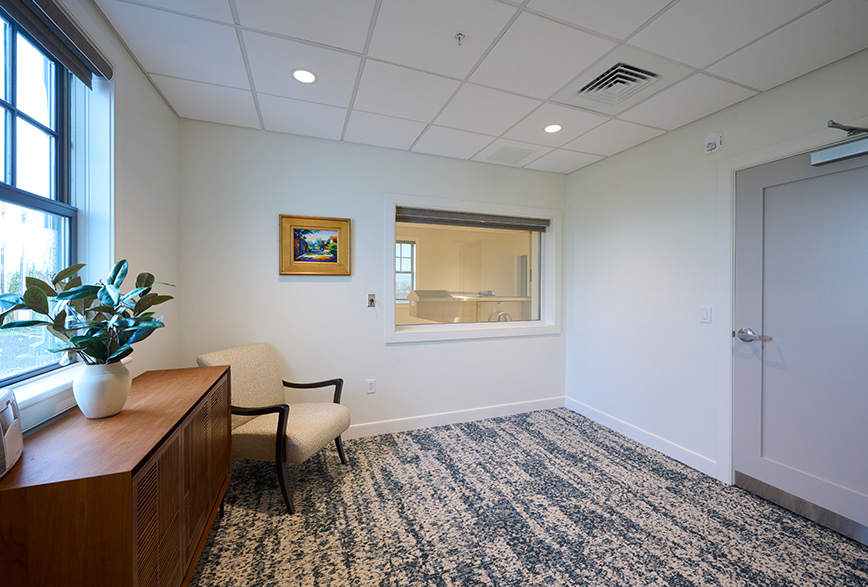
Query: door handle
748	335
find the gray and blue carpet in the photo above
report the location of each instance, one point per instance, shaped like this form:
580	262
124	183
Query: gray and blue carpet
545	498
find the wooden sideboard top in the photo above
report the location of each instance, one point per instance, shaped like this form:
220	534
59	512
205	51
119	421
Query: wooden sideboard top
74	447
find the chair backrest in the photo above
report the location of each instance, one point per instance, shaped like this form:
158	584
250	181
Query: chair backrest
254	376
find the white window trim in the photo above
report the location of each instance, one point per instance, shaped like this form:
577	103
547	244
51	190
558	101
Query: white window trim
44	397
550	269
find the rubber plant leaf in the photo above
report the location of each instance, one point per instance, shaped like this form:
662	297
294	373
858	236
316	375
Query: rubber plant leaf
25	324
74	282
118	274
34	282
14	308
145	280
66	273
80	292
36	300
109	295
119	354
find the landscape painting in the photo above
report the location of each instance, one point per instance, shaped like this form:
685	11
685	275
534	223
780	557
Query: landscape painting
314	245
311	245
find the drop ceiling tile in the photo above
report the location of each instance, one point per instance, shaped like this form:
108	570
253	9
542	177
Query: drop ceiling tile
612	137
511	153
208	102
219	11
401	92
272	61
484	110
831	32
575	122
179	46
448	142
617	18
699	32
421	33
382	131
302	118
693	98
537	56
563	161
336	23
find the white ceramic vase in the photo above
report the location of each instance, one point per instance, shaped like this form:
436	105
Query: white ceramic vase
101	390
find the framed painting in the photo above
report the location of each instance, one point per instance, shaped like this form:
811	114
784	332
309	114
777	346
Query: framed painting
312	245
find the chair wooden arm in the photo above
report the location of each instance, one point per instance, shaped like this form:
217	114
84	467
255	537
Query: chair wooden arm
282	411
338	383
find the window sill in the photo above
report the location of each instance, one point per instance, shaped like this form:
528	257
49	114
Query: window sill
469	331
42	398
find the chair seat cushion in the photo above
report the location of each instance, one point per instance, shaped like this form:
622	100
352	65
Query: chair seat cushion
311	426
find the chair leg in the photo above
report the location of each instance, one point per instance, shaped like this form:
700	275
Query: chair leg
284	487
340	446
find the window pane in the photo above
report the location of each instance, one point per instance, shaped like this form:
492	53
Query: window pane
406	265
31	245
471	274
4	50
34	165
403	286
5	127
35	83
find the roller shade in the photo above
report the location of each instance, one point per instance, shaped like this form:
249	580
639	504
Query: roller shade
50	26
471	219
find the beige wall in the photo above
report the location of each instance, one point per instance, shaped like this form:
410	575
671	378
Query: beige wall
197	204
646	248
144	182
234	184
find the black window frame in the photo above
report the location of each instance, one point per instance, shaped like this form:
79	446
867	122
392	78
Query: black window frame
60	202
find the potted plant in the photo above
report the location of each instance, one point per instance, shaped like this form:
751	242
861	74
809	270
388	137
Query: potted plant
97	323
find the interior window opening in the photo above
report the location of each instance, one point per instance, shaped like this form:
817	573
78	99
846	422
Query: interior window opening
466	268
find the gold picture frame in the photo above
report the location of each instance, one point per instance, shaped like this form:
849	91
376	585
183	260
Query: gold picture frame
314	245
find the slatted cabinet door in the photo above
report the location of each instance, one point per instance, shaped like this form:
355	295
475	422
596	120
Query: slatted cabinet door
195	489
125	500
220	453
160	561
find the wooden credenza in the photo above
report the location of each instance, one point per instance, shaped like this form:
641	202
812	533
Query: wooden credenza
122	501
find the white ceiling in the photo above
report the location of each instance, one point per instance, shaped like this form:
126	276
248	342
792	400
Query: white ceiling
391	72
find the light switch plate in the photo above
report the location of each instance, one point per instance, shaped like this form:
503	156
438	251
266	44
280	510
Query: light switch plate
705	314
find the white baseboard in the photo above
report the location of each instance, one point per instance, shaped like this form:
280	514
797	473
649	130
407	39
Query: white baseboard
456	417
676	451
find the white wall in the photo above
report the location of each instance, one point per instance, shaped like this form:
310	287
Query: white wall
234	184
649	241
145	182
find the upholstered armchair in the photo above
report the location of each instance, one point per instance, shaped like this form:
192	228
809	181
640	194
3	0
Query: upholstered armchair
264	426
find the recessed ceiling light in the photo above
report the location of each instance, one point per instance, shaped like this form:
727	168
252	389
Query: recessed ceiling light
553	128
304	76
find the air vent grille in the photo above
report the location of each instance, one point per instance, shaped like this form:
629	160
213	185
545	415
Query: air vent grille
510	155
618	83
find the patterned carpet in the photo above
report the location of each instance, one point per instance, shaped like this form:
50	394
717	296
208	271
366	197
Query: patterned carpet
545	498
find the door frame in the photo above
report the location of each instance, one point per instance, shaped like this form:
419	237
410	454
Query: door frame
725	278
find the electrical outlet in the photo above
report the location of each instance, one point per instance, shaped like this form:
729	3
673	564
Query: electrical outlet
372	386
372	301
